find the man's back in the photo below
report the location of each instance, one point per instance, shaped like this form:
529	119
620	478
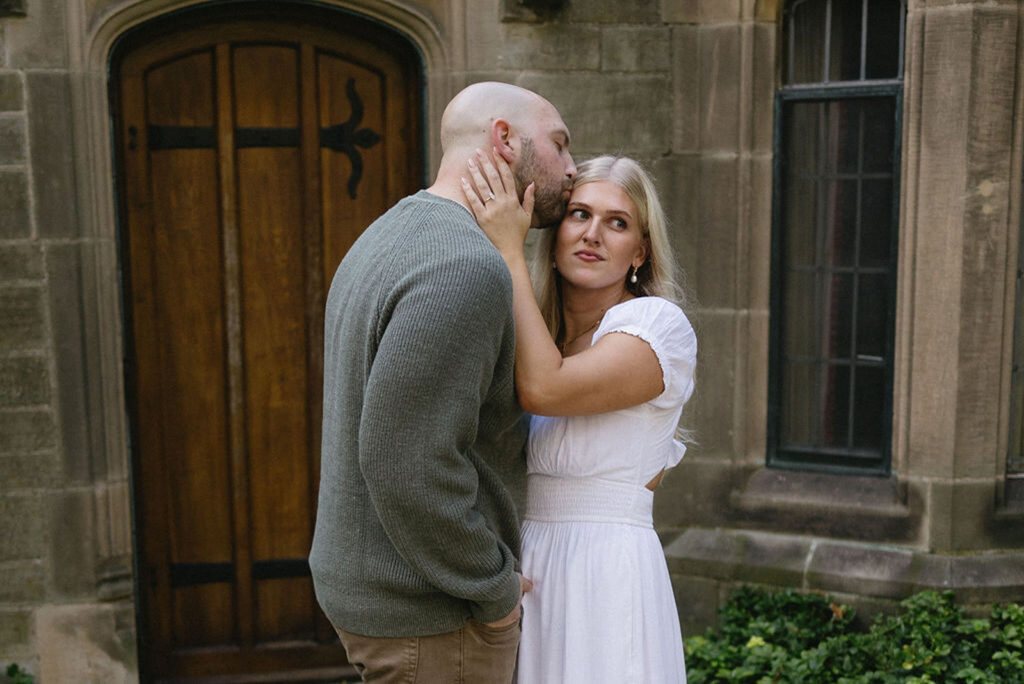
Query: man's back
422	460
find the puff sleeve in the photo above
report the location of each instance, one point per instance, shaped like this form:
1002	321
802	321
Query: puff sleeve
664	326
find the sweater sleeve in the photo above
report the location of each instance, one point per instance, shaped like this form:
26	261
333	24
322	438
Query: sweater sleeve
441	330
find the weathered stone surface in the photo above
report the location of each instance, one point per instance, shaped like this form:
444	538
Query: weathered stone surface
72	525
741	556
23	526
15	627
542	47
26	431
714	278
720	56
81	643
614	11
20	262
49	111
23	583
12	98
686	78
635	49
31	470
600	110
22	318
711	409
14	216
697	600
38	40
12	140
868	570
24	381
67	300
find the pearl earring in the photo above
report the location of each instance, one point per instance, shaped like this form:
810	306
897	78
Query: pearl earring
632	278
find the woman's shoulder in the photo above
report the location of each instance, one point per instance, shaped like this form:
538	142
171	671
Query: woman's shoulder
651	311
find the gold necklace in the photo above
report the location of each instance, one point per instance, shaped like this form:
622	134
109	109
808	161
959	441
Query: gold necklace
561	347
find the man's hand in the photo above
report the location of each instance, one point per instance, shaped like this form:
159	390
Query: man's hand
525	585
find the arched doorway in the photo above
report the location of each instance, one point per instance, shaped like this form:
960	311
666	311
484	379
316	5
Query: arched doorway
254	142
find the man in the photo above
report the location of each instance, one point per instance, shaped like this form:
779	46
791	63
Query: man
415	551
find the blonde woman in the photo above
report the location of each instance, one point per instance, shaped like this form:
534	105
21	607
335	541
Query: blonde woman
604	363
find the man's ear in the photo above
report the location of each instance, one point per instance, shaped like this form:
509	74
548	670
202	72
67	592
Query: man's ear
501	139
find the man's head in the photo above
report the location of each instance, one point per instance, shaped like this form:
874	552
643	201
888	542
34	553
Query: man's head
525	129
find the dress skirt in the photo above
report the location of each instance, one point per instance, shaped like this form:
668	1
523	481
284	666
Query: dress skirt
602	607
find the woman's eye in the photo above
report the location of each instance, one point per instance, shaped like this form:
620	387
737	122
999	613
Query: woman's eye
619	224
579	214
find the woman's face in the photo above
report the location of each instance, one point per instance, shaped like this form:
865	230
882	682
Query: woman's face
599	239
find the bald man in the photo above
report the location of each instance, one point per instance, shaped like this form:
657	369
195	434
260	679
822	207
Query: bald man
415	552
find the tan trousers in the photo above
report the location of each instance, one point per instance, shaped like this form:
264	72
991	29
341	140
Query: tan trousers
475	654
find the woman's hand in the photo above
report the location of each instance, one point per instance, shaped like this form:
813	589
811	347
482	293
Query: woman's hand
491	193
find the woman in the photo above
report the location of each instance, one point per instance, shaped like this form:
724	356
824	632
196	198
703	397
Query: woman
604	364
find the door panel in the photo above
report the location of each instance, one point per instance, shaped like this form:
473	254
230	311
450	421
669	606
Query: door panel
252	153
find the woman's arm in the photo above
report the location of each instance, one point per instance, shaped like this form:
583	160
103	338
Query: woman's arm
621	370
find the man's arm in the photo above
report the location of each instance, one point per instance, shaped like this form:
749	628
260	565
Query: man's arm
433	369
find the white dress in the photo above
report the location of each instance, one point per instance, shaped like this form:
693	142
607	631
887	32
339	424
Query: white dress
602	607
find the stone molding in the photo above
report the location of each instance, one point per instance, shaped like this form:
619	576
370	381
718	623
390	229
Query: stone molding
844	567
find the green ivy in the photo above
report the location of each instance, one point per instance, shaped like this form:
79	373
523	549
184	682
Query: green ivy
787	637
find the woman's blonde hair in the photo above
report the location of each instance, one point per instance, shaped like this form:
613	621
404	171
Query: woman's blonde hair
657	276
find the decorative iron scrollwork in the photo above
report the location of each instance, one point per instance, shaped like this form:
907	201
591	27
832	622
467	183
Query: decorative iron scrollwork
346	137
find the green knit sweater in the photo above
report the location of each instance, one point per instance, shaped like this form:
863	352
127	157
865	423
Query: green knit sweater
422	463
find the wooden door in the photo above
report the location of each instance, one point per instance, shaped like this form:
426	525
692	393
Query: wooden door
252	153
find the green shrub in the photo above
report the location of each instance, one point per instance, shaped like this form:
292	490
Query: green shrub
790	638
15	675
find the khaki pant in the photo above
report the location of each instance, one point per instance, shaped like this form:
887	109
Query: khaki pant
475	654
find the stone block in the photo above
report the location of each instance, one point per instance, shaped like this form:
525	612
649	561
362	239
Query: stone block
23	471
15	628
23	532
721	83
739	556
14	215
718	226
541	47
614	12
758	223
676	178
755	384
632	48
620	114
39	40
49	112
702	11
20	262
26	431
81	643
68	298
72	524
694	492
12	141
686	101
12	98
24	381
712	409
22	319
862	570
763	88
697	600
23	582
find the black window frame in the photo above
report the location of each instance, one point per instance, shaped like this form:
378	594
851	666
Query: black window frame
848	460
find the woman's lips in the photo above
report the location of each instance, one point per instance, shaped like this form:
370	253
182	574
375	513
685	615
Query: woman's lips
589	257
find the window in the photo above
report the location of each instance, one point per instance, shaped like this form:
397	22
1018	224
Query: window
837	143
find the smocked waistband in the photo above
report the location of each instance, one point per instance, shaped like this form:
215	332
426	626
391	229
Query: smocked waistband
578	499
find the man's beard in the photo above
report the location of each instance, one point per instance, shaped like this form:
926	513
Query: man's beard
549	201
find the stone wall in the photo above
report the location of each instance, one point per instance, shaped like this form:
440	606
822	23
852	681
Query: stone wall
687	87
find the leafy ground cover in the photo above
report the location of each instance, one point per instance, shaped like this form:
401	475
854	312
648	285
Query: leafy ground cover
786	637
